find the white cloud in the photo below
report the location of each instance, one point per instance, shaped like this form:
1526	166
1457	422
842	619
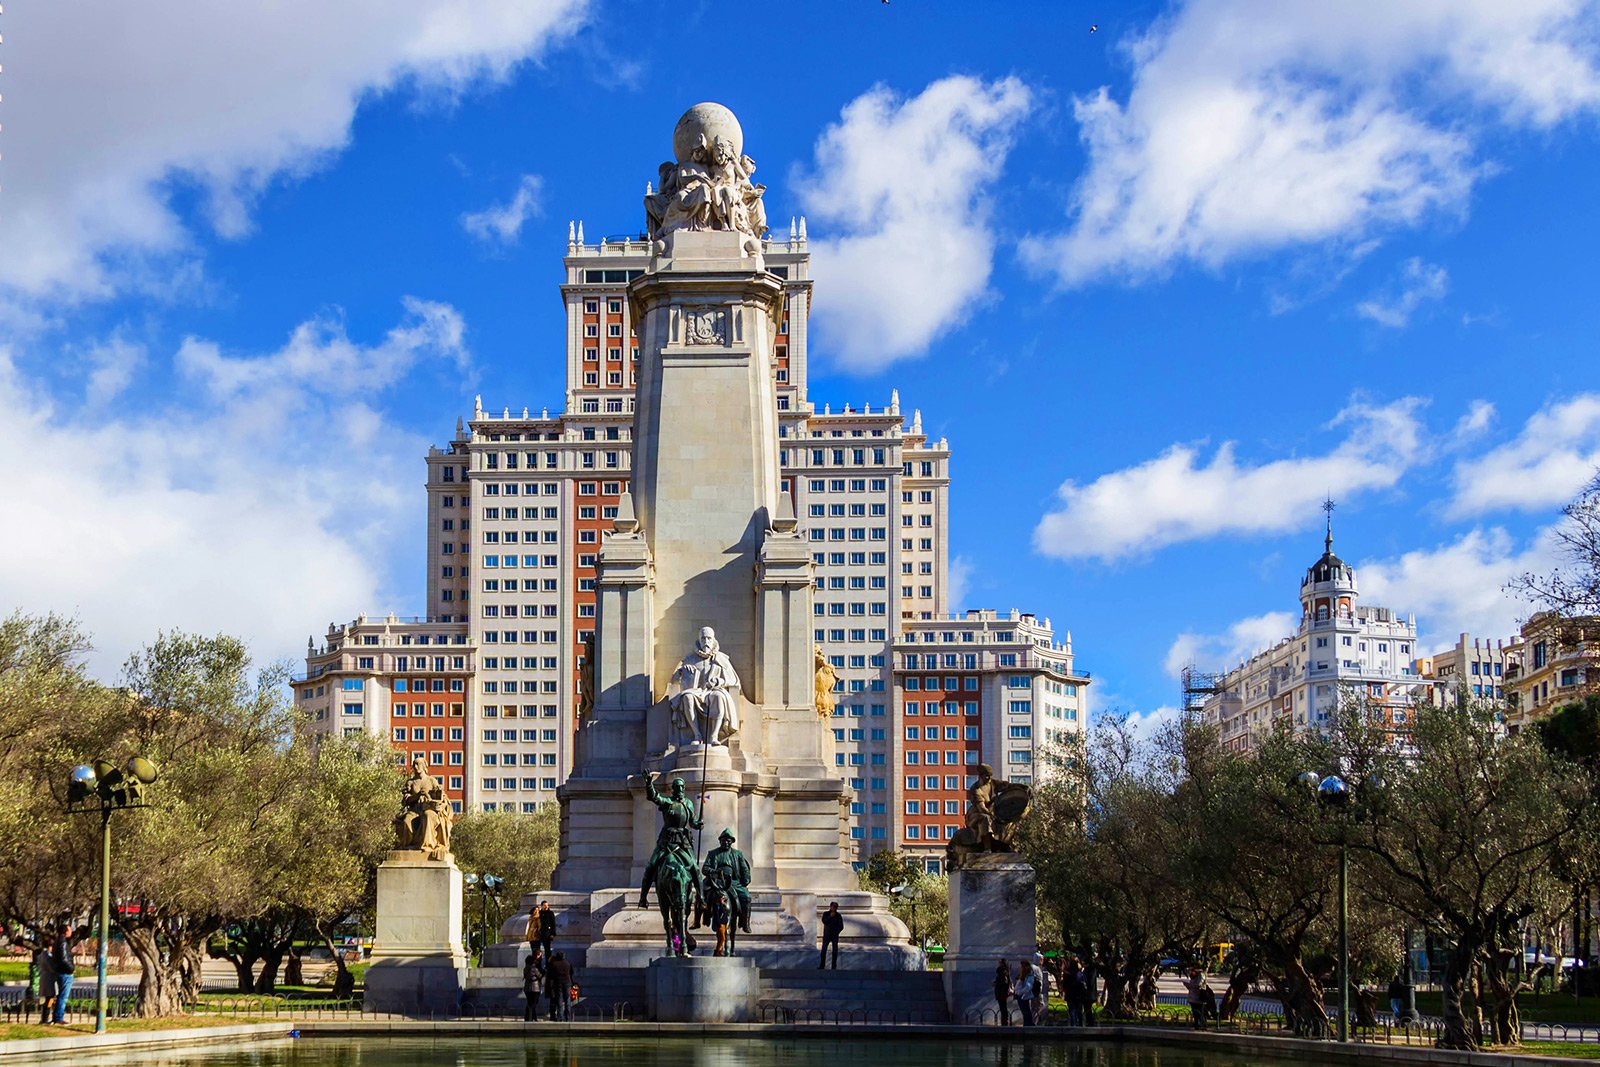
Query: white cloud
1179	497
1479	417
961	571
263	497
895	174
1555	454
112	109
113	363
1418	282
1254	124
1459	587
1221	651
503	223
1145	726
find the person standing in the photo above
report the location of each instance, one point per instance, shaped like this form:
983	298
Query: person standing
547	927
61	957
1197	1009
558	983
1002	991
44	966
533	982
1027	987
1076	991
1041	988
832	927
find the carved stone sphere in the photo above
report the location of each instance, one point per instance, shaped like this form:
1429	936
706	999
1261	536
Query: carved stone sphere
708	120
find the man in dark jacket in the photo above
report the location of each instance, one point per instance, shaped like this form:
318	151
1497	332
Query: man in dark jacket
547	927
61	957
832	927
558	984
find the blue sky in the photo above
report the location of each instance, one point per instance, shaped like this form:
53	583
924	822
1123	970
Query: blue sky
1163	284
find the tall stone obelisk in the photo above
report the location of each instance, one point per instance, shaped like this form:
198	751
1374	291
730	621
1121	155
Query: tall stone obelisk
708	537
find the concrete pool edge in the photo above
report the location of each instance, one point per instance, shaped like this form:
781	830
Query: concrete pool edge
31	1049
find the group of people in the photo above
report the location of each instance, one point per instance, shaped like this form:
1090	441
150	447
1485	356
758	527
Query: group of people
546	973
52	960
1029	987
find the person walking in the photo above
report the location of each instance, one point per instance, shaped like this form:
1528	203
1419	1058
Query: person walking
61	957
547	927
1027	987
1397	995
44	966
1197	1008
558	983
533	982
1002	991
832	927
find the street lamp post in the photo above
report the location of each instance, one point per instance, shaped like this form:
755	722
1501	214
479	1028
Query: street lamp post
1333	794
487	885
104	788
907	892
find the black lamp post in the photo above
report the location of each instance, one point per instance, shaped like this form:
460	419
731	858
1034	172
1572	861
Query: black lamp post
104	788
487	885
1335	795
908	893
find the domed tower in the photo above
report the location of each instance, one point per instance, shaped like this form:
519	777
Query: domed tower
1328	591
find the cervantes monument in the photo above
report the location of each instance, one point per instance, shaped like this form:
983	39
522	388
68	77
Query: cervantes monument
704	668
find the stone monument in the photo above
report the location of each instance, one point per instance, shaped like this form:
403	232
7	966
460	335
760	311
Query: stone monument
993	892
418	963
706	555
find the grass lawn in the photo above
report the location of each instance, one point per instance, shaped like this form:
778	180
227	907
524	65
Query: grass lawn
1546	1008
1553	1048
13	970
24	1031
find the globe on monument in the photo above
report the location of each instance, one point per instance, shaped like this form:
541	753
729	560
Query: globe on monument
706	120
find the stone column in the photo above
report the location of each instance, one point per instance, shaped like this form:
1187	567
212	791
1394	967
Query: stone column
418	963
992	918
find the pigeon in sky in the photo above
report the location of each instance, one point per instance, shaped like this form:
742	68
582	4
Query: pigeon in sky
1094	28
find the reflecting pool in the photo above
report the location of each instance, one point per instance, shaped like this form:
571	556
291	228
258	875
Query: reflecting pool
644	1051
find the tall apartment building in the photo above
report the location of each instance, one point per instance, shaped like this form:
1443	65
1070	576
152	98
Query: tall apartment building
1556	662
976	688
1341	648
517	501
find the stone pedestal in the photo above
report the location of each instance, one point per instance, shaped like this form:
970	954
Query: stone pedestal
703	989
992	918
418	963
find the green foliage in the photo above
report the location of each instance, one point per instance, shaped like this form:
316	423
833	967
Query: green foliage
519	848
249	818
887	869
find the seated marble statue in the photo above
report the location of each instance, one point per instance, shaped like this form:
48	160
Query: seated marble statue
423	824
707	701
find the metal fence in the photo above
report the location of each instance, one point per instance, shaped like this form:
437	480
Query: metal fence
253	1006
798	1015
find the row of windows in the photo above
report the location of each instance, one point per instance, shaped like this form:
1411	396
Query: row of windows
951	707
858	834
511	735
878	734
529	759
855	533
929	832
931	781
858	607
528	611
431	735
930	757
529	585
837	636
527	663
856	485
951	807
822	511
508	688
491	784
857	760
494	711
857	559
399	711
856	581
931	733
914	684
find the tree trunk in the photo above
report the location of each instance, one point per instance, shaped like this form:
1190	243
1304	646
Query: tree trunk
1304	1006
1239	984
344	983
1455	1034
160	985
243	966
271	960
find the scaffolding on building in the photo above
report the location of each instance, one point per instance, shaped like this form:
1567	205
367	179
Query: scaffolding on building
1198	687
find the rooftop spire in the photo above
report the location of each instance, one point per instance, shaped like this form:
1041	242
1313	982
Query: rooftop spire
1328	505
